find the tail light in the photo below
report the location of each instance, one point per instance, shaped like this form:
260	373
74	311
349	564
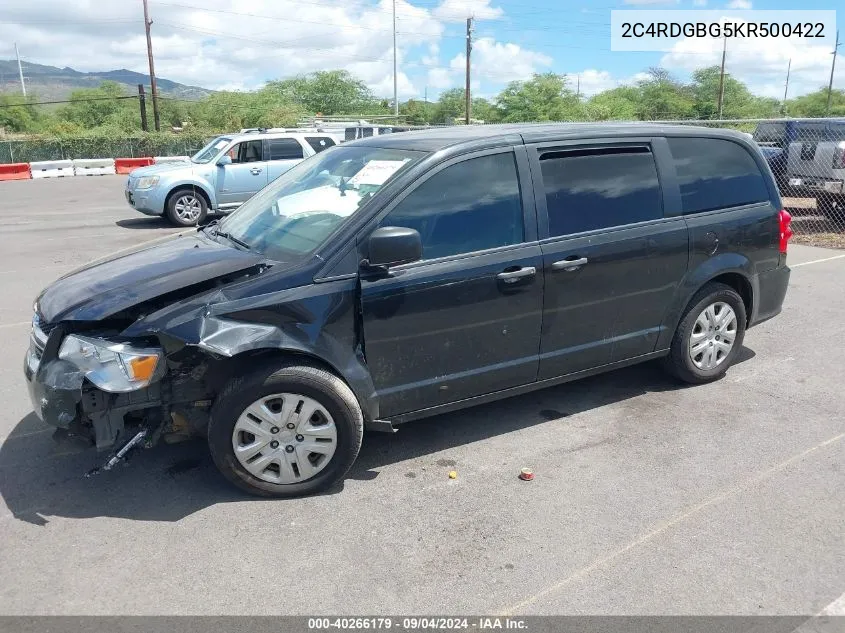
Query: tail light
784	220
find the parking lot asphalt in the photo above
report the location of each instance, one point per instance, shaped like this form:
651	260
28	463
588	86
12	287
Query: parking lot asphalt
649	498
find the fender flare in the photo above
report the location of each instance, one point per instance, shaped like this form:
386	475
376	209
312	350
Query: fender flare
694	280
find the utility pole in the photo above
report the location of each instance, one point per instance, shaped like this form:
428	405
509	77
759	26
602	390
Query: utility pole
722	76
20	70
786	86
395	77
469	51
829	85
147	23
142	100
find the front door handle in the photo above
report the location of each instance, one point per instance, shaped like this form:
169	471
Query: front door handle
512	276
255	171
569	264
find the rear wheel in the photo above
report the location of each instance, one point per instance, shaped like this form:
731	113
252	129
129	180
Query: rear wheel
186	207
709	335
285	431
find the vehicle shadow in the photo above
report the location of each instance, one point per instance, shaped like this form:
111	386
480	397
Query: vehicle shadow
40	478
145	223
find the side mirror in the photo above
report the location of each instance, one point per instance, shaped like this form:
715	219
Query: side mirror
224	160
393	245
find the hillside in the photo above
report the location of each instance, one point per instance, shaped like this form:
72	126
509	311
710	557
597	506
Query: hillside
51	83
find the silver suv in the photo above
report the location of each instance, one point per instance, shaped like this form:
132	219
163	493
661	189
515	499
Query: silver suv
816	165
221	176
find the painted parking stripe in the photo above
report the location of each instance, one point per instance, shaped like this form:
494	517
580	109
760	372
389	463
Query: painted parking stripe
837	607
817	261
663	526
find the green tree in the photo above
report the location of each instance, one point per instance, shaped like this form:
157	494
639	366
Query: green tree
661	97
738	102
18	114
329	92
544	97
104	105
417	112
814	104
617	103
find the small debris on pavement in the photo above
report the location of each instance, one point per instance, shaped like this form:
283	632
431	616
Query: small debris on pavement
453	474
526	474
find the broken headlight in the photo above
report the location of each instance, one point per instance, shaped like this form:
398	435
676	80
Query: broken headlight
113	367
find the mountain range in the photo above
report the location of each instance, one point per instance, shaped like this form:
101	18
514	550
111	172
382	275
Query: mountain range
53	84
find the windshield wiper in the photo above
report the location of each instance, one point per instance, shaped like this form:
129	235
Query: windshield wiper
234	239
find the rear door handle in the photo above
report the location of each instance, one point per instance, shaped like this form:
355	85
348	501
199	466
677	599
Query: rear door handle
512	276
255	171
569	264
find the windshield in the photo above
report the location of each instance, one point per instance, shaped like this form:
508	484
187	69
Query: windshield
293	215
207	153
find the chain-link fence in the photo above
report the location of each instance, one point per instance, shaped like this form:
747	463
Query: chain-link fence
29	150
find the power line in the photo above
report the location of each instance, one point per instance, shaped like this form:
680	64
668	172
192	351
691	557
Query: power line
39	103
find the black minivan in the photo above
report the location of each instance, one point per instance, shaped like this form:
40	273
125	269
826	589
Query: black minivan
414	274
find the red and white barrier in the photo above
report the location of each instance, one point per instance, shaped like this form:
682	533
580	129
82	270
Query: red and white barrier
51	169
93	166
15	171
125	165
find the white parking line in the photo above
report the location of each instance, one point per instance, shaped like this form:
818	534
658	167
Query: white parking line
816	261
663	526
837	607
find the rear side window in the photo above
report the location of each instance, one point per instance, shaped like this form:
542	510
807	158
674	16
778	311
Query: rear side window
284	148
770	133
319	143
470	206
716	174
597	189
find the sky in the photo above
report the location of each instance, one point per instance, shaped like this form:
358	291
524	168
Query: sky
241	44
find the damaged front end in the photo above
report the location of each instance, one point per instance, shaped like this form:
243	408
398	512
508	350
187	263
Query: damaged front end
97	387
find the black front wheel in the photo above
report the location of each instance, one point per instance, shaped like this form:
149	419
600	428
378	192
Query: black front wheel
286	430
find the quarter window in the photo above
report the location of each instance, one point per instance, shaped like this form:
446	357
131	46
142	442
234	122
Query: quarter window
595	189
284	149
319	143
715	174
470	206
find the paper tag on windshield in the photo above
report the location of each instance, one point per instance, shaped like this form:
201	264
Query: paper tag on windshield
376	172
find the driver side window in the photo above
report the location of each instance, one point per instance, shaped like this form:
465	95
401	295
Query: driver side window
469	206
246	152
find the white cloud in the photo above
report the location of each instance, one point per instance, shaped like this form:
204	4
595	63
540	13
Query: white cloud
502	62
699	3
739	4
441	79
592	81
460	10
222	43
761	68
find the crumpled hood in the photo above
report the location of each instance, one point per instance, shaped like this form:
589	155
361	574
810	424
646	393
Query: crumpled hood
126	278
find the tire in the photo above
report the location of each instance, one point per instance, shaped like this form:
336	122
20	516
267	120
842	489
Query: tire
186	207
300	383
681	362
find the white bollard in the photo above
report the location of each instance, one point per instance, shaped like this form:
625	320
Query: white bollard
171	159
51	168
93	166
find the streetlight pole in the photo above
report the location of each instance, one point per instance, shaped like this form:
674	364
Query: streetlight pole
395	77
